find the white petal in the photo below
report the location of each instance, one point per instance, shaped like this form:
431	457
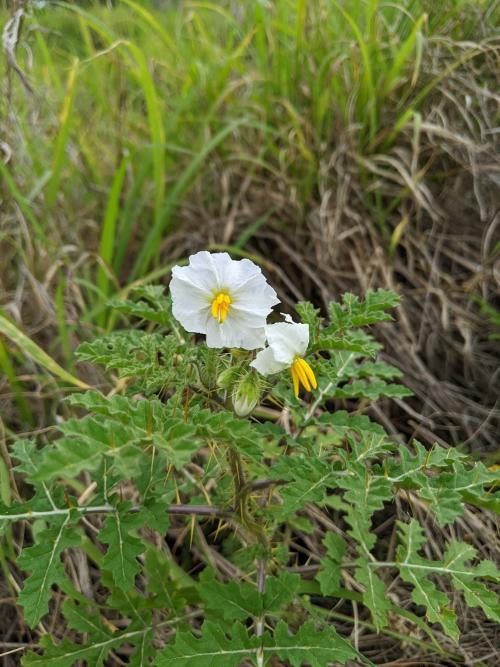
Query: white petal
202	278
190	303
255	295
232	335
214	266
266	364
288	340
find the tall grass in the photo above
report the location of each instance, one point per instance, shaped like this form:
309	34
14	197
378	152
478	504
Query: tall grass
133	105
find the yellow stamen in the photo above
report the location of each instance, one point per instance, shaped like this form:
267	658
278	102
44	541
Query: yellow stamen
302	374
295	379
309	372
220	306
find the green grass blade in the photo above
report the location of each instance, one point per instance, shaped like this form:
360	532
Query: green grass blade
59	156
108	232
157	131
134	203
8	369
61	323
15	335
151	241
368	96
405	51
151	21
23	203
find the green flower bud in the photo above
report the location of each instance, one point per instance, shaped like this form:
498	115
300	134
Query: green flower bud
228	377
208	367
246	393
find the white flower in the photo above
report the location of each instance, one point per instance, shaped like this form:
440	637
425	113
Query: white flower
225	299
287	345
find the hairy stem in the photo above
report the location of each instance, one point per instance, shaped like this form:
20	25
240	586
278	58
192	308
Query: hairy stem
179	509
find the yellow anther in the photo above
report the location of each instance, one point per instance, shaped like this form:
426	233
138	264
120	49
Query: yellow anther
309	372
295	379
302	374
220	306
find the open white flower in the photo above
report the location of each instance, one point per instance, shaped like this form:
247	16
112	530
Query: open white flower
287	345
225	299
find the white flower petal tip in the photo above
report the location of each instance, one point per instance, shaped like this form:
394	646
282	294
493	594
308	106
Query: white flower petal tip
287	344
228	300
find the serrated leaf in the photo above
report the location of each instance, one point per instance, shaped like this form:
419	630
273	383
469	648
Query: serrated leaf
233	600
446	503
309	481
308	645
155	309
237	601
374	594
123	548
120	430
371	390
415	570
168	593
67	653
279	591
25	451
365	493
356	313
154	360
43	559
329	576
464	578
219	648
357	342
343	422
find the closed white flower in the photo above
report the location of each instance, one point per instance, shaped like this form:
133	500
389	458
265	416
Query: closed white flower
228	300
287	345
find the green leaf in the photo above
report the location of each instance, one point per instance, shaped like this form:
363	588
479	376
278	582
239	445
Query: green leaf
232	601
154	360
358	342
121	557
125	431
216	647
219	648
374	594
168	592
464	578
355	313
309	478
329	576
279	591
153	307
94	652
237	601
364	494
415	570
43	559
308	646
371	390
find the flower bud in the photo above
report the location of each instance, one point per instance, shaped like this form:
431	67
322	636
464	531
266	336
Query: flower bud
246	393
228	377
208	367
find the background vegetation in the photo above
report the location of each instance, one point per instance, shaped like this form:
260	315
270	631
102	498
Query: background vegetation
342	145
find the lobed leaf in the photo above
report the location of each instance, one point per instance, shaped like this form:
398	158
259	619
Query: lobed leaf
123	548
43	560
